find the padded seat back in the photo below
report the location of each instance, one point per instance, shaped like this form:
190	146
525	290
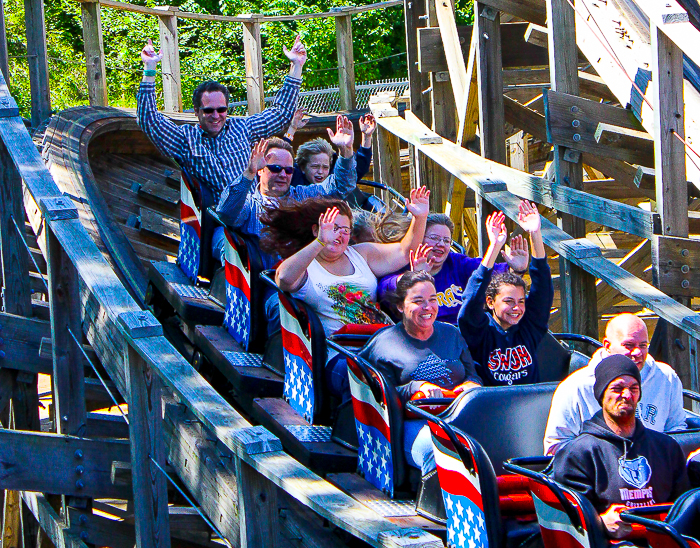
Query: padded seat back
379	423
469	488
304	352
553	359
508	421
244	296
196	229
554	515
684	515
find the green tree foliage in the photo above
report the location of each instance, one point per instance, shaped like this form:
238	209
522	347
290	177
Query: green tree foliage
207	49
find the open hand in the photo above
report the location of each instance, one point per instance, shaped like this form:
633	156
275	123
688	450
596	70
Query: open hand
149	55
529	217
496	229
257	159
517	255
367	125
419	260
298	120
613	522
343	136
326	225
419	204
430	390
297	55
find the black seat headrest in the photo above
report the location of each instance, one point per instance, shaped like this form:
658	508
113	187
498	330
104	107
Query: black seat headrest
508	421
685	513
553	359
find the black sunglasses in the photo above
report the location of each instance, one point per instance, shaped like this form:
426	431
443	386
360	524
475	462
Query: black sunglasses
274	168
209	110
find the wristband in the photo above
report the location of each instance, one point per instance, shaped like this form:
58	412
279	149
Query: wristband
320	242
289	136
148	72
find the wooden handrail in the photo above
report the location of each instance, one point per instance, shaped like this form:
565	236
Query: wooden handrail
125	6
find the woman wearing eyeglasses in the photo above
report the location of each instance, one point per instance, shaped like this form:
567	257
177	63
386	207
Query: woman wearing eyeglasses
337	280
450	269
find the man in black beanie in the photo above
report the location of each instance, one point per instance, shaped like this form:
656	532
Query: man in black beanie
616	462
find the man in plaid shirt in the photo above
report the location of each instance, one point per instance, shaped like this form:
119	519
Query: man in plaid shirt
217	150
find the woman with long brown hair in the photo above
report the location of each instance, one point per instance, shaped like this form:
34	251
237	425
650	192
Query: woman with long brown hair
337	280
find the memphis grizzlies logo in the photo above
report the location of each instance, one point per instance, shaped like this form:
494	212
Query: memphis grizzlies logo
636	472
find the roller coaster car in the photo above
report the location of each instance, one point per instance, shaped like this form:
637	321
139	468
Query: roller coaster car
233	347
680	528
306	418
183	288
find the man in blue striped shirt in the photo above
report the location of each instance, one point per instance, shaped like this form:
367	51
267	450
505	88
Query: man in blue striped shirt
217	150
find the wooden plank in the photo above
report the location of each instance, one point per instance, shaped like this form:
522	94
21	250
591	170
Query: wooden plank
532	11
4	66
207	471
145	433
68	384
389	164
537	35
635	262
346	61
50	522
96	75
578	304
38	60
22	342
487	27
252	48
516	52
257	508
469	108
172	81
69	465
518	151
675	265
444	9
159	225
628	145
99	530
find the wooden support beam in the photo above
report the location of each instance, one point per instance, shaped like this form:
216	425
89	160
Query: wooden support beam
68	384
23	338
452	49
629	145
4	65
578	295
38	60
145	433
172	81
671	190
516	52
532	11
96	74
487	27
346	60
52	463
675	265
537	35
468	113
252	48
635	262
518	151
50	522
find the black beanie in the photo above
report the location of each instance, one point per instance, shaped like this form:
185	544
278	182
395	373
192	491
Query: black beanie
611	368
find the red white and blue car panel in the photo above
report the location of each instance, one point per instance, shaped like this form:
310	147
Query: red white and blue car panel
555	525
238	305
190	232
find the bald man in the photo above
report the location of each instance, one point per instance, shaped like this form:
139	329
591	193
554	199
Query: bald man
660	407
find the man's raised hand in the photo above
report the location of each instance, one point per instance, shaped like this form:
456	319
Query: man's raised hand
257	159
343	136
297	54
149	56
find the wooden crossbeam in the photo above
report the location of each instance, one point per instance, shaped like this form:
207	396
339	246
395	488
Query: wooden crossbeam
66	465
475	171
50	522
452	49
629	145
532	11
676	265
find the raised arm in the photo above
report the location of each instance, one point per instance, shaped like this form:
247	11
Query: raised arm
291	274
539	300
298	122
166	135
530	221
235	197
497	233
274	118
386	258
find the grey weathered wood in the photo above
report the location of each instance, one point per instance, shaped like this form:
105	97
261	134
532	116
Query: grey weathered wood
99	530
50	522
628	145
58	209
38	60
537	35
487	26
346	61
406	538
257	508
96	74
53	463
4	65
253	64
389	165
68	384
529	10
145	434
518	157
172	81
581	248
675	264
22	343
578	294
138	325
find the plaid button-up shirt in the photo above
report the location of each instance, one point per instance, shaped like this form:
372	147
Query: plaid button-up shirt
217	162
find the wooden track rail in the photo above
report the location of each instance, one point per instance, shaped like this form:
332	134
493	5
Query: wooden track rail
129	342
